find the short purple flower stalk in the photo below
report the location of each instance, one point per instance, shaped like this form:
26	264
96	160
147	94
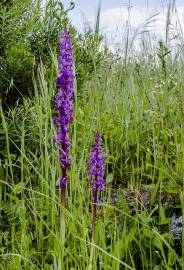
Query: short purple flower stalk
96	174
64	105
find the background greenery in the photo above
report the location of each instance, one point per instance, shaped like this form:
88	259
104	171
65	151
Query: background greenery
29	32
137	104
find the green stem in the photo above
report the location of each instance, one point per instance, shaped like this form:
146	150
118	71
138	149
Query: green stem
93	230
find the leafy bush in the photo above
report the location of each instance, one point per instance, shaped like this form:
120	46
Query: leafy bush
28	33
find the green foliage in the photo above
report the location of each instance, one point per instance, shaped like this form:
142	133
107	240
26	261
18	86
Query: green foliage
142	136
26	35
89	56
137	106
29	34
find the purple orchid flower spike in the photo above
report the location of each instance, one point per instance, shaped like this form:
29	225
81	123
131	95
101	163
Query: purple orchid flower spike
97	168
96	174
64	104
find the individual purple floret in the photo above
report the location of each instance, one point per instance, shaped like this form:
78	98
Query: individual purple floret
97	168
64	104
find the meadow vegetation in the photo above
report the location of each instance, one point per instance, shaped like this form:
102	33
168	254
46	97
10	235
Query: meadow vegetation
136	102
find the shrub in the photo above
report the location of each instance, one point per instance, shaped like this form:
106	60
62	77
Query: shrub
28	34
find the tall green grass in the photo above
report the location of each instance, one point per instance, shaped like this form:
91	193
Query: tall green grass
139	112
138	107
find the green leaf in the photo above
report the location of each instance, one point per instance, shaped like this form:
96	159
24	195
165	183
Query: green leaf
163	219
18	188
157	267
158	243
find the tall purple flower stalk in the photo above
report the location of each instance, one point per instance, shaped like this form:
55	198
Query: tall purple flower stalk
96	174
64	105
